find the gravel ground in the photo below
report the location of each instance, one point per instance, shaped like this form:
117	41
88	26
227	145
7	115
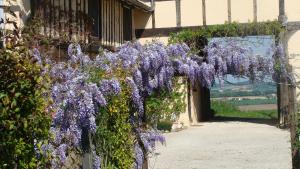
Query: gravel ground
225	145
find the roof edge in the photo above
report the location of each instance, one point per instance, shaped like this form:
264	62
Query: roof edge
138	4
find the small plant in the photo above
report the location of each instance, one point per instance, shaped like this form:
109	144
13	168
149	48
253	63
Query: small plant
166	105
164	125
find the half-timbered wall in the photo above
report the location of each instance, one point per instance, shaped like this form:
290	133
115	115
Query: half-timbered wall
172	16
108	22
21	9
64	18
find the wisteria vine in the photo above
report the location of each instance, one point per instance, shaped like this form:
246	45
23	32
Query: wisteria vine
148	68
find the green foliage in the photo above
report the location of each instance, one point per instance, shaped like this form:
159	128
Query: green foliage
225	109
164	125
23	109
298	133
166	105
113	138
228	30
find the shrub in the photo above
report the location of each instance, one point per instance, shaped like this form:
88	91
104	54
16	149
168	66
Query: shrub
164	125
113	138
24	121
166	105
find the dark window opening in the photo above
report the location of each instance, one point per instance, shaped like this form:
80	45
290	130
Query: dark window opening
94	11
127	24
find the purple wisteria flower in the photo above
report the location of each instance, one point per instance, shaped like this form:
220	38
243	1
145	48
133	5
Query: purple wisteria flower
129	54
97	160
135	96
138	79
150	67
139	156
110	87
74	52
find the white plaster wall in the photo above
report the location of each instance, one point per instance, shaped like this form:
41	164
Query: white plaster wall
165	14
242	10
163	39
292	9
142	20
267	10
184	116
191	13
195	103
21	9
294	56
216	12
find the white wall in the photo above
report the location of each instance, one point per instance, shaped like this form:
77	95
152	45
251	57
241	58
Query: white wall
216	12
292	8
165	14
22	10
191	13
293	50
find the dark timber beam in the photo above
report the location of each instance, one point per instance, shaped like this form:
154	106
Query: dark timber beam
293	26
138	4
282	17
229	10
204	12
146	33
255	10
153	13
178	13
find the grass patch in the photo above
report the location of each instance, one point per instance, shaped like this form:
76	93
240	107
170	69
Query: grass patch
225	109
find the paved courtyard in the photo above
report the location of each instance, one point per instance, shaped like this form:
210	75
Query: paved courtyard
225	145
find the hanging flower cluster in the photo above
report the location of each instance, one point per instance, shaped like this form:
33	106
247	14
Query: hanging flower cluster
147	68
148	139
231	57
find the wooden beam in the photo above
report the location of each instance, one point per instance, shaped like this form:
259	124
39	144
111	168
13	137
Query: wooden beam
33	5
204	12
229	10
153	13
282	17
146	33
255	10
155	0
70	20
281	7
293	26
178	13
143	33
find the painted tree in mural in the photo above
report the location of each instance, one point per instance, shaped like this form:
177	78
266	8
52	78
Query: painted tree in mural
106	95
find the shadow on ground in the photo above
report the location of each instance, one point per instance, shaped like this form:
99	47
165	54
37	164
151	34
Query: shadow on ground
272	122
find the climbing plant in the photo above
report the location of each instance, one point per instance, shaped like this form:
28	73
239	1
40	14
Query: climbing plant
109	97
25	113
166	105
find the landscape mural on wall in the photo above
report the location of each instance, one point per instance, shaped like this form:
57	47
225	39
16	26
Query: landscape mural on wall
241	91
